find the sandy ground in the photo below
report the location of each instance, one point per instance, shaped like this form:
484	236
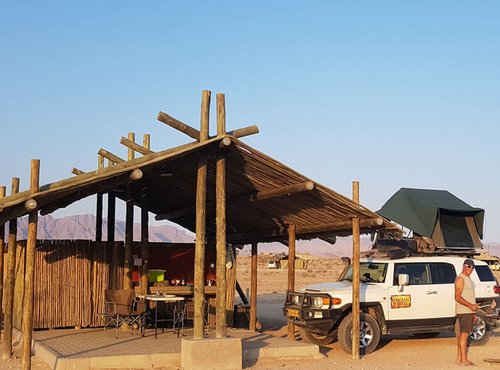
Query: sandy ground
394	352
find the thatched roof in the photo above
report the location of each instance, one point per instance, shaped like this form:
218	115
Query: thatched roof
263	196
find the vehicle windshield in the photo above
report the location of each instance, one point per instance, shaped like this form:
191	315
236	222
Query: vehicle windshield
369	272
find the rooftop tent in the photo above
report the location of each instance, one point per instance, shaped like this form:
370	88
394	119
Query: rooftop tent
437	214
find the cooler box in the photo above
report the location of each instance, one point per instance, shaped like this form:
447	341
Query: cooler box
156	275
241	316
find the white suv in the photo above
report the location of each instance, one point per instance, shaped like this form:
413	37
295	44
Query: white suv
412	295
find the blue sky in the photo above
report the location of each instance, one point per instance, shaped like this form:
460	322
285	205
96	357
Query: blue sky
391	93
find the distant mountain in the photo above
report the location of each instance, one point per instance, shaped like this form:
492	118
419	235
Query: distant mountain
315	247
83	227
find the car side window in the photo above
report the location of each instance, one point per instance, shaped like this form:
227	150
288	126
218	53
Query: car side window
484	273
420	273
443	273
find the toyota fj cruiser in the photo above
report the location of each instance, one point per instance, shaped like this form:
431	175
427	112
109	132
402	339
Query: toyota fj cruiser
411	295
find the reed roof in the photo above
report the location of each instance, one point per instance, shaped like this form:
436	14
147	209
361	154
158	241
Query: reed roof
259	205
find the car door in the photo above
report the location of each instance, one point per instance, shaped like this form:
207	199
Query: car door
418	299
443	282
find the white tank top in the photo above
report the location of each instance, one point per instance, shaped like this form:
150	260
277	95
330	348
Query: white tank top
467	294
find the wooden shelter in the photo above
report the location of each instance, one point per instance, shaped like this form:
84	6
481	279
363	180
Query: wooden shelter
223	190
280	261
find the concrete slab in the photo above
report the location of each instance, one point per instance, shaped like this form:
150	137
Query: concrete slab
211	354
93	349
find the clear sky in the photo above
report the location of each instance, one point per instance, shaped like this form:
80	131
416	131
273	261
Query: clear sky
391	93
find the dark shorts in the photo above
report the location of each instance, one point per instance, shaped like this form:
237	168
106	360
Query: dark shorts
465	322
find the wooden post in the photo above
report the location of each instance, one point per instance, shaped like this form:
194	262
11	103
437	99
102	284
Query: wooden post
144	245
291	272
355	276
29	276
253	289
9	281
129	226
113	284
220	189
98	213
145	232
2	245
201	198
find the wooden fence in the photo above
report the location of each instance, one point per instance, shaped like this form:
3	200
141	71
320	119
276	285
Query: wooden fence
70	279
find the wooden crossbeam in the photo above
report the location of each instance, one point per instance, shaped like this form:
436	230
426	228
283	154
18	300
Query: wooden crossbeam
76	171
244	131
134	146
252	197
178	125
110	156
331	227
98	188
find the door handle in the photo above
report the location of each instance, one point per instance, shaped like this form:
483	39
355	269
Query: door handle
432	292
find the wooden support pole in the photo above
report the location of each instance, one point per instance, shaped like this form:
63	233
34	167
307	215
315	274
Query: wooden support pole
2	246
220	212
113	271
99	205
10	281
181	126
146	142
76	171
201	196
253	288
244	131
291	271
129	226
135	147
355	276
144	244
136	174
29	275
110	156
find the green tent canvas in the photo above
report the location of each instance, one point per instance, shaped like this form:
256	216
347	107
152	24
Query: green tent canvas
447	220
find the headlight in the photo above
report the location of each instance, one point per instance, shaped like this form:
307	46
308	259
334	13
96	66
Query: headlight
295	299
317	302
323	302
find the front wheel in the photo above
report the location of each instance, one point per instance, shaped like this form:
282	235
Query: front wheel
481	331
369	334
319	339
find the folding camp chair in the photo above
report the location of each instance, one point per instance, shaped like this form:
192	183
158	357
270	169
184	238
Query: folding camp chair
121	306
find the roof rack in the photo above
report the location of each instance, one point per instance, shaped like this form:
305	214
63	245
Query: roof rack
406	247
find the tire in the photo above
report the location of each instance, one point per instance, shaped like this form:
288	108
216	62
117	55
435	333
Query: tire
425	335
369	336
314	338
481	332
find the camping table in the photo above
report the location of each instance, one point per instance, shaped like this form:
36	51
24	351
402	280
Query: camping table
178	312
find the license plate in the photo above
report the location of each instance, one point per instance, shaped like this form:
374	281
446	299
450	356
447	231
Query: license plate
401	301
292	312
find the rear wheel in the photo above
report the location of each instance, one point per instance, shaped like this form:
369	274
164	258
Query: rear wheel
315	338
369	334
481	331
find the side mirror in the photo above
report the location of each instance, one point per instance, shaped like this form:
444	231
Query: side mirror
403	279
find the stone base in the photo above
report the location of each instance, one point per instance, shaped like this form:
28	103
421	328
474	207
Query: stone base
208	354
